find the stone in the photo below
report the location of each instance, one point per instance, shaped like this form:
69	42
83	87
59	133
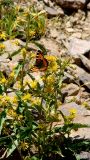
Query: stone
71	89
51	12
82	117
74	4
51	46
88	6
81	111
46	2
53	33
85	61
77	46
83	76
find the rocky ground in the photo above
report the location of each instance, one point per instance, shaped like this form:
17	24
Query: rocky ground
68	35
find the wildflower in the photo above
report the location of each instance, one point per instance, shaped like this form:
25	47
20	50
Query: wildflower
53	66
23	52
16	42
2	46
3	81
73	111
3	36
5	101
50	79
11	113
72	115
17	85
26	97
32	33
36	101
51	58
12	74
33	84
32	55
24	145
49	89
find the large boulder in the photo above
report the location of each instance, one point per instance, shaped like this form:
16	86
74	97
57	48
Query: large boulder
74	4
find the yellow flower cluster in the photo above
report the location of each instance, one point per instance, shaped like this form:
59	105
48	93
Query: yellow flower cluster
26	97
4	100
24	145
23	52
3	35
36	101
51	58
33	84
53	65
16	42
3	81
2	46
50	79
72	115
11	113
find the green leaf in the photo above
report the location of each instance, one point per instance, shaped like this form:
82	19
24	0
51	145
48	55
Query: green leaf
14	53
34	158
18	69
1	89
11	147
41	47
2	119
69	127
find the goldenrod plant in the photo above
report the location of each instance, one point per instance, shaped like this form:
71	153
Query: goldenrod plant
31	121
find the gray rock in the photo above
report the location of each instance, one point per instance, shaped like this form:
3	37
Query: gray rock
77	46
82	117
85	61
54	33
46	2
81	111
51	12
74	4
84	155
51	46
71	89
88	6
83	76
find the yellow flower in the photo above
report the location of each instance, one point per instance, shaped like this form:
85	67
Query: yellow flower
3	81
3	36
12	74
36	101
50	79
23	52
11	113
26	97
32	55
51	58
73	111
49	89
2	46
53	66
5	101
16	42
72	115
14	102
24	145
31	33
33	84
17	85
